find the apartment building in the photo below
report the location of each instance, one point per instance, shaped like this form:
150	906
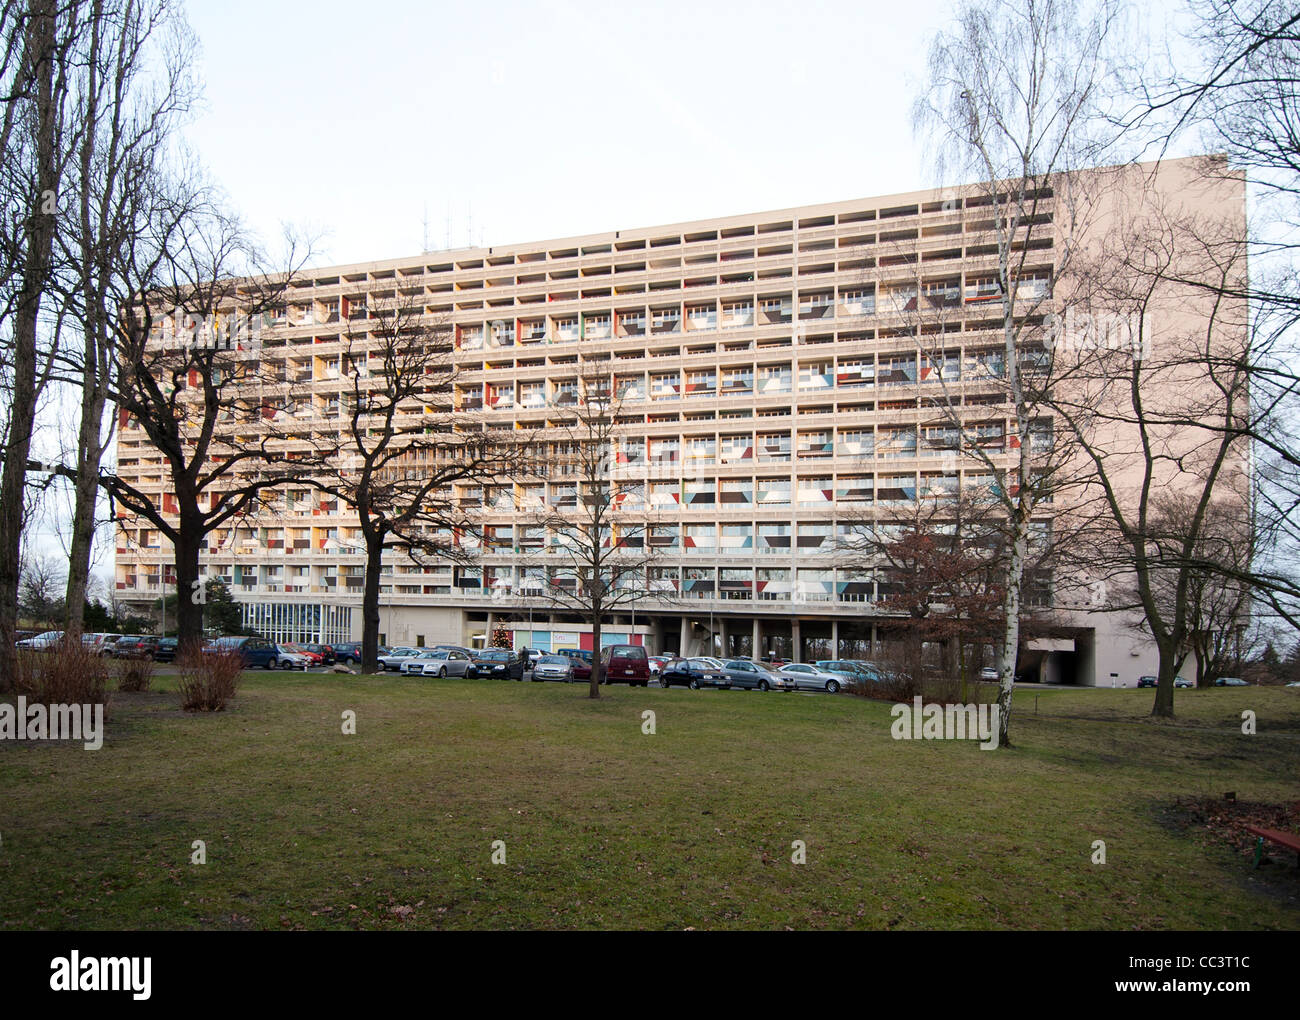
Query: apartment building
772	393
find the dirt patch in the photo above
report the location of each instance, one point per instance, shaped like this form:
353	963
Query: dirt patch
1224	822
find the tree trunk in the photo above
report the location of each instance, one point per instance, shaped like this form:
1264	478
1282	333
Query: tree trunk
595	656
191	592
1010	633
86	495
38	240
370	604
1167	670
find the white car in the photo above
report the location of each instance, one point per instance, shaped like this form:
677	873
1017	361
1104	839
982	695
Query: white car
286	658
413	665
392	662
807	677
41	642
446	662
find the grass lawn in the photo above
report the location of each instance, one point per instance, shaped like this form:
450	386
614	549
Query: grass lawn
607	827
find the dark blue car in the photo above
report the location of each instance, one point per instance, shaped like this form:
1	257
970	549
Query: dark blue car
255	651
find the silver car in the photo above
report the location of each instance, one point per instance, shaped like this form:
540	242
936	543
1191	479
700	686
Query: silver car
553	667
445	662
810	678
394	659
413	665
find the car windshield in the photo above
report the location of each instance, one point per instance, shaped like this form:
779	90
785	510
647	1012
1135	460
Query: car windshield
552	660
495	655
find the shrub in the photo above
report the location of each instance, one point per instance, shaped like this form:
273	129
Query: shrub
208	680
135	675
69	674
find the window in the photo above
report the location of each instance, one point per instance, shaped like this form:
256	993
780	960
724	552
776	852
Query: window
700	538
736	491
738	380
699	494
773	539
773	584
665	386
816	492
735	583
773	379
773	492
858	301
773	446
737	538
701	383
816	375
854	489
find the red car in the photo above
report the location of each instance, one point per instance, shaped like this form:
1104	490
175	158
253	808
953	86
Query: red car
581	668
316	658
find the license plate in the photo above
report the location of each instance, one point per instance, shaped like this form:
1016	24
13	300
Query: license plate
629	672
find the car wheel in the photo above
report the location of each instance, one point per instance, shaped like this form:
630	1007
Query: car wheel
762	685
694	685
832	687
442	673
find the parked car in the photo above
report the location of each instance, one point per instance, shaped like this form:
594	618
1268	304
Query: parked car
255	651
553	667
442	662
581	667
1148	681
392	662
166	650
350	653
751	676
585	654
693	673
41	642
1183	682
313	658
98	643
496	662
625	664
135	646
990	673
326	653
849	672
413	665
807	677
288	657
657	664
1230	681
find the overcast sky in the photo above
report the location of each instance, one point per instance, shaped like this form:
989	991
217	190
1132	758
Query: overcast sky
532	120
393	125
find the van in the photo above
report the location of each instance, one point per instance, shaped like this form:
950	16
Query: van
255	651
625	664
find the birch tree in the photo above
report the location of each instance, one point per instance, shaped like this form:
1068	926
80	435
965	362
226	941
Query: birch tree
1014	95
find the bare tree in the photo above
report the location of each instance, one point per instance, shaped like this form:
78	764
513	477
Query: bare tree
1240	99
1015	90
938	569
596	519
38	39
43	578
126	97
404	443
1165	422
190	375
